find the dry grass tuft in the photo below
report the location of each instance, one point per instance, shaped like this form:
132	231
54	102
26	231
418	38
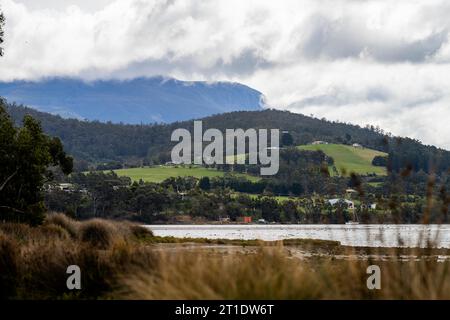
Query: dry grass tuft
140	232
54	231
21	232
98	233
59	219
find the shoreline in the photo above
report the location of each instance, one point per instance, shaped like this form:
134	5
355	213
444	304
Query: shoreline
365	236
212	223
327	247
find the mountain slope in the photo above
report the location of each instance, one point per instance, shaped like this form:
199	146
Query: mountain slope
99	142
141	100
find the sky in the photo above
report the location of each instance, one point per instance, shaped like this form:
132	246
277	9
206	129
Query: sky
384	63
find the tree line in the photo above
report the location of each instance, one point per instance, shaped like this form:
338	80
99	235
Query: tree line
99	194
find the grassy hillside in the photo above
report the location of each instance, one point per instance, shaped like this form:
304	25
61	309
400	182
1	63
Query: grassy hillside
350	159
96	142
160	173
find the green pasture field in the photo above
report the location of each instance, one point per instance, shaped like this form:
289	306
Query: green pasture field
348	159
161	173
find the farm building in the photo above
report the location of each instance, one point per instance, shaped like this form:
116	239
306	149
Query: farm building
245	219
350	204
66	187
319	142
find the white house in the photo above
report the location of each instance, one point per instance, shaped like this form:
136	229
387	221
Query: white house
357	145
67	187
350	204
319	142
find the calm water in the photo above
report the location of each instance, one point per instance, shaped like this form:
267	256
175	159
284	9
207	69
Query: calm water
351	235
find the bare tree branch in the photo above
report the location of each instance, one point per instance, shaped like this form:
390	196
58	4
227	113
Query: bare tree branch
8	179
12	209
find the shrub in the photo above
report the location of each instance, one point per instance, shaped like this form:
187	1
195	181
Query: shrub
380	161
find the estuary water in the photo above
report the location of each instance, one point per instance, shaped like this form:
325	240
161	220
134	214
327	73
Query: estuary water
387	235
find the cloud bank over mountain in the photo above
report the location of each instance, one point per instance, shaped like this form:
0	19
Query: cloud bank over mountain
136	101
380	62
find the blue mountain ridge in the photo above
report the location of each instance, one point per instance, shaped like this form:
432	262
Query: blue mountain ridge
140	100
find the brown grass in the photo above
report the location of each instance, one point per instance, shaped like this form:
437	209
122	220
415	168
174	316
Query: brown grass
271	273
98	234
59	219
34	260
122	260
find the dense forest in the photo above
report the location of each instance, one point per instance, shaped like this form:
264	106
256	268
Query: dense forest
93	143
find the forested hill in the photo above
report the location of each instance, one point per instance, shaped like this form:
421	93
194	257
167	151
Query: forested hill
101	142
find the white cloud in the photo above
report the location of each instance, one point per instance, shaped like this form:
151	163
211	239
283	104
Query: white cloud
379	62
